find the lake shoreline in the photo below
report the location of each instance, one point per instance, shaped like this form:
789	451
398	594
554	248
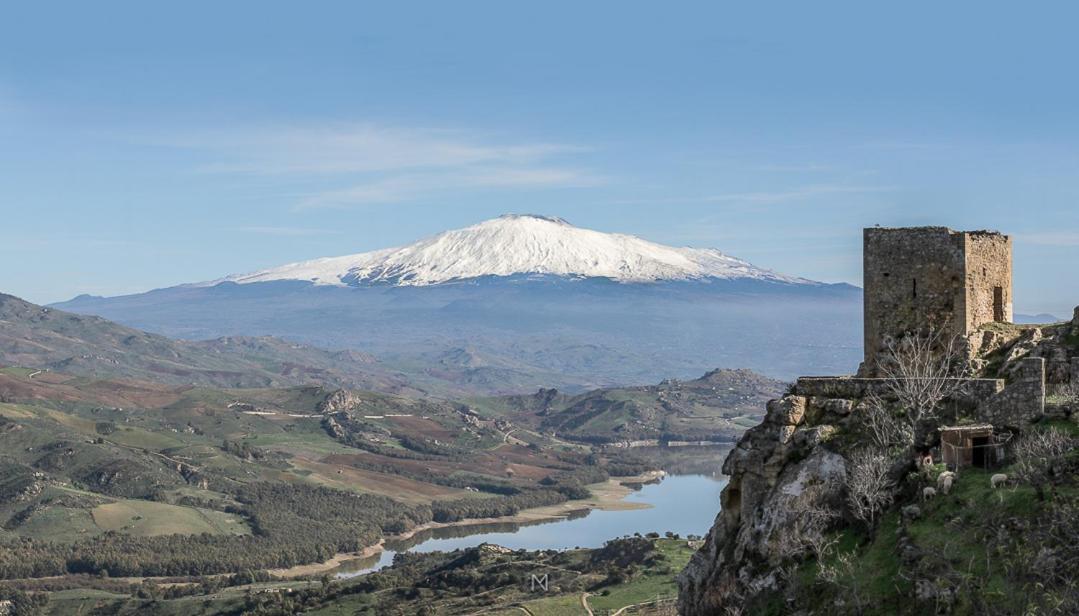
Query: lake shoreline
606	496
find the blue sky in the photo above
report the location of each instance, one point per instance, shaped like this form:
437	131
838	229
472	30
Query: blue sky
143	146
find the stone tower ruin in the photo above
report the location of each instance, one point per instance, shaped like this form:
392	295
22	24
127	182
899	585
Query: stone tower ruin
918	278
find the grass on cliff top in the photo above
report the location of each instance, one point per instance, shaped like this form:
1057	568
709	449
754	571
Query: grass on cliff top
1067	426
876	574
950	538
952	528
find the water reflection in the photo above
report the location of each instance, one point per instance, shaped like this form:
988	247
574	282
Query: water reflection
685	504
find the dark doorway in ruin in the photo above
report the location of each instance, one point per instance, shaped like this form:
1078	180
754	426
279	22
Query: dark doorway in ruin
998	304
979	444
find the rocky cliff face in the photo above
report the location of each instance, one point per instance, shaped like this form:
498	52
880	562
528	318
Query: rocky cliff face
780	470
998	348
793	467
339	400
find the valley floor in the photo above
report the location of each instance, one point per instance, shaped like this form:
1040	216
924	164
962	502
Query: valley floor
631	573
606	496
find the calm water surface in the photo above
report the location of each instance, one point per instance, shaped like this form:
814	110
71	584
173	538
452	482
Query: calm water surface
684	504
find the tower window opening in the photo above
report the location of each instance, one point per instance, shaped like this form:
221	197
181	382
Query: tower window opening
914	288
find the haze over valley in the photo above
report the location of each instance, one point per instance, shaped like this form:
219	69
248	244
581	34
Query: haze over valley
521	302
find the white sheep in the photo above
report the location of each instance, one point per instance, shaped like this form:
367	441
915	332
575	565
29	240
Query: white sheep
998	480
947	476
945	480
928	493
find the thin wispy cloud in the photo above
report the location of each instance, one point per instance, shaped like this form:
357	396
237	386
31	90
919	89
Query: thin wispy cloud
796	194
365	164
406	187
358	148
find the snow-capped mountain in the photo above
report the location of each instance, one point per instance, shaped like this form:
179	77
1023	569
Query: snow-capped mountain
516	244
520	302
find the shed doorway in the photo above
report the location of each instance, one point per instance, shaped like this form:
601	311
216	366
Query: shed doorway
977	455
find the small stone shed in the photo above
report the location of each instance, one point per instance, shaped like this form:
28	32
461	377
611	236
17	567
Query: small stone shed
972	445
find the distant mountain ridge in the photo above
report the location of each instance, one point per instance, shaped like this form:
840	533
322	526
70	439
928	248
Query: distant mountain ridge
48	339
521	302
1037	319
515	244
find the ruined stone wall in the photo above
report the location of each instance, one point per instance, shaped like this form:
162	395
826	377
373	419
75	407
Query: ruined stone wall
988	279
975	389
932	277
1022	401
913	279
1012	404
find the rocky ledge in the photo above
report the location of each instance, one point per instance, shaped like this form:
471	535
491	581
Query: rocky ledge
788	487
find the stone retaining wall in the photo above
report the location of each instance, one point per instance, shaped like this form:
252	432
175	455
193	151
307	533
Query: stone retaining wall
1018	402
1022	401
851	387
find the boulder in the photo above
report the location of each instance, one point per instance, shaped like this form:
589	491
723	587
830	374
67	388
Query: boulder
787	411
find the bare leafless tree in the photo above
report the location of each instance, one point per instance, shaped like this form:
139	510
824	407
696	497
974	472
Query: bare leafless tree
922	370
869	489
841	574
887	430
805	533
1037	454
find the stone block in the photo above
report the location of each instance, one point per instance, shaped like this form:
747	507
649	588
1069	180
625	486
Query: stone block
811	437
787	411
785	433
839	407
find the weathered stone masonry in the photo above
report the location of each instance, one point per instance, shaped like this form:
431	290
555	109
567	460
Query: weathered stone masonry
932	277
955	281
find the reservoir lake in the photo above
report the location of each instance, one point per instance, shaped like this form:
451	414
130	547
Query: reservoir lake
682	504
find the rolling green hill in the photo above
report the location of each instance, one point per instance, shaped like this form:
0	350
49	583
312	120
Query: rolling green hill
717	407
49	339
99	475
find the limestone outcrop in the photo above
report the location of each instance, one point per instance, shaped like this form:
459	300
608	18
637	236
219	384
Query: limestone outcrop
337	401
797	459
779	470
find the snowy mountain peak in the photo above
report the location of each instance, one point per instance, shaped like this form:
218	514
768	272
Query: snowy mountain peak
554	219
515	244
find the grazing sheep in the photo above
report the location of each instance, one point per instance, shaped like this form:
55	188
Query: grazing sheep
998	480
928	493
944	481
946	485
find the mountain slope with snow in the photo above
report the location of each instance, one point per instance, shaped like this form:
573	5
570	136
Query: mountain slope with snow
519	244
541	303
